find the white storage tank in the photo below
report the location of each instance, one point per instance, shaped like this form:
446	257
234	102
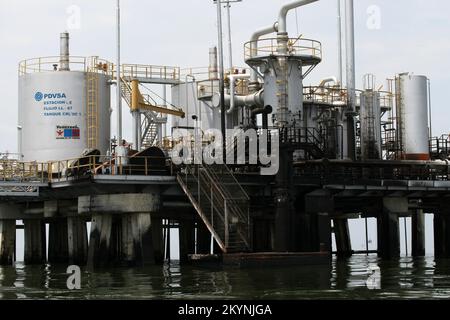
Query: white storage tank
413	109
63	112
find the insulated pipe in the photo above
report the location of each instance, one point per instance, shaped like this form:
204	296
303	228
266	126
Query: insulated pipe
64	63
254	45
213	67
328	80
350	48
233	78
251	100
282	16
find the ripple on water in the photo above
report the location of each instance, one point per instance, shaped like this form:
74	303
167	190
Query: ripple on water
405	278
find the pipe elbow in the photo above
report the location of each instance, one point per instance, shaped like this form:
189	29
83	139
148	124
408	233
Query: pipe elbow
282	16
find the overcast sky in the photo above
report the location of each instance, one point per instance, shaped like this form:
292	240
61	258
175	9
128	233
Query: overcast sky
412	36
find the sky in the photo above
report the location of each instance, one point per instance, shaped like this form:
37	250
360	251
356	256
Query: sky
391	37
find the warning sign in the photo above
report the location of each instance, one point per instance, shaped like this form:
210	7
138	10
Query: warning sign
67	133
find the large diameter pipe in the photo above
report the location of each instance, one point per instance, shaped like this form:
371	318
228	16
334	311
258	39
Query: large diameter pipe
339	27
254	46
64	63
118	91
350	48
351	93
233	78
255	100
213	67
282	16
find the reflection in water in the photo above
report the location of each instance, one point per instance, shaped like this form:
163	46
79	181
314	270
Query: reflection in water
404	278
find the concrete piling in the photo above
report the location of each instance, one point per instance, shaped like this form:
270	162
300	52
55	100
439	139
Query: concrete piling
58	243
137	239
442	235
418	233
388	235
77	241
342	236
187	239
203	239
7	242
35	247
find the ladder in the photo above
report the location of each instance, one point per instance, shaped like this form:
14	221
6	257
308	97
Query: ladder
92	104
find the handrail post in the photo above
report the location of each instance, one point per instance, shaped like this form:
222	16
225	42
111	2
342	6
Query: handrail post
227	234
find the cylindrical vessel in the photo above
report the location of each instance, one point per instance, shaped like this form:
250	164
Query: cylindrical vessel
55	114
413	113
370	119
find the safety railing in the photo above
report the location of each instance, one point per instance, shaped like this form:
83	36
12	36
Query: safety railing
203	73
136	71
351	173
76	63
440	147
310	49
80	168
15	171
325	95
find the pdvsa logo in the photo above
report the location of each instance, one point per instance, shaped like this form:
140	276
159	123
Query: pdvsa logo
38	96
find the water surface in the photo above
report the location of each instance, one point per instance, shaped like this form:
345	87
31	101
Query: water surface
406	278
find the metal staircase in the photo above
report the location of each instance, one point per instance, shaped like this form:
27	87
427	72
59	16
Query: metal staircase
149	126
221	203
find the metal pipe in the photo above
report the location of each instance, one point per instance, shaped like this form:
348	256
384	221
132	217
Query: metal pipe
119	81
339	18
213	68
430	109
350	49
328	80
233	78
252	100
230	44
282	16
254	46
64	63
221	76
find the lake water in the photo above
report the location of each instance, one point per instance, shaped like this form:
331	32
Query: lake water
406	278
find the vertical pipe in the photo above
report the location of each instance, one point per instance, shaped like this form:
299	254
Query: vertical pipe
367	237
350	48
230	45
351	94
213	68
406	235
221	76
339	21
64	63
118	93
165	106
429	108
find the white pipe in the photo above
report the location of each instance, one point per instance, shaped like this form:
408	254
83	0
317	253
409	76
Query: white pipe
324	81
118	93
350	48
233	78
64	63
252	100
282	17
213	67
339	21
254	45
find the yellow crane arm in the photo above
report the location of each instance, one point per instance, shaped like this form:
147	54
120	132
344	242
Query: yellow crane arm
138	103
